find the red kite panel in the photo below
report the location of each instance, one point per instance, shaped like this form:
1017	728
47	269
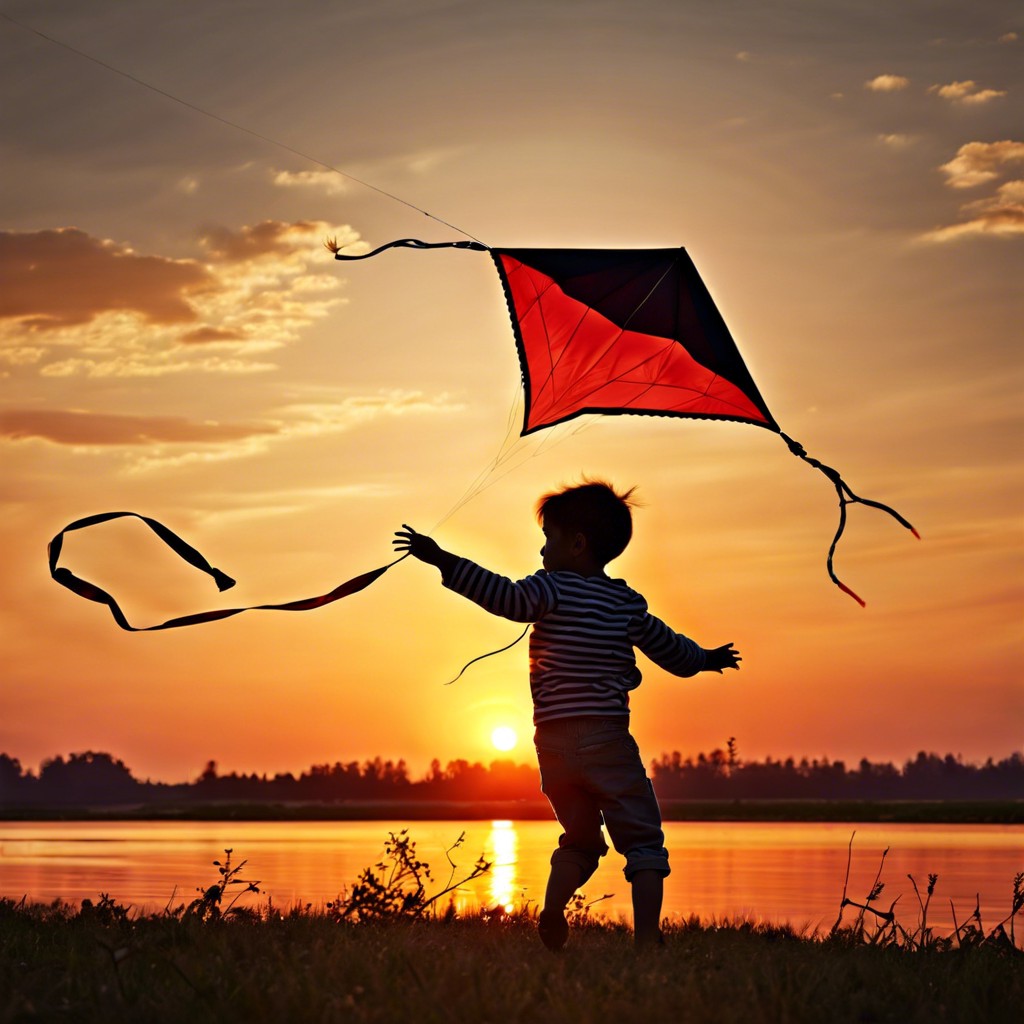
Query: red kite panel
622	331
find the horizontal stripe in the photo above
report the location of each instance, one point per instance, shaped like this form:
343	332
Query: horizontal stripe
582	645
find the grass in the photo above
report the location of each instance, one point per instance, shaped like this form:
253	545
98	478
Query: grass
390	949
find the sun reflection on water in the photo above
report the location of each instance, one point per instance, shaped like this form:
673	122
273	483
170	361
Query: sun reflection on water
504	844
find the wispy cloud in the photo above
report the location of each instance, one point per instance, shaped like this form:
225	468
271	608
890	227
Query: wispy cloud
897	140
298	241
335	417
65	276
301	421
89	429
887	83
160	442
206	335
331	183
334	182
243	507
977	163
1001	214
966	93
82	306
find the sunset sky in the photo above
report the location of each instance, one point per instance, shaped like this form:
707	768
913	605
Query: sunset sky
175	341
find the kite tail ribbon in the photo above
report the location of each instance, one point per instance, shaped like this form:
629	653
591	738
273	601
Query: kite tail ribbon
846	497
405	243
66	578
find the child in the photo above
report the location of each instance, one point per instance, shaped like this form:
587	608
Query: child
582	667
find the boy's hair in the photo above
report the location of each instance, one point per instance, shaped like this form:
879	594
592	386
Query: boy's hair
595	509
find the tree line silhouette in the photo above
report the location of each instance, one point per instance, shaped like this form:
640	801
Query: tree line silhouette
99	779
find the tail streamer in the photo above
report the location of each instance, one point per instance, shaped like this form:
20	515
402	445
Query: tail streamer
489	654
66	578
404	243
846	497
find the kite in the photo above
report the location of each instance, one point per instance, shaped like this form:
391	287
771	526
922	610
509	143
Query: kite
628	331
598	331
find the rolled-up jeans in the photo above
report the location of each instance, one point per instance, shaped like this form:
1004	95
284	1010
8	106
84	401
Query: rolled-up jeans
591	772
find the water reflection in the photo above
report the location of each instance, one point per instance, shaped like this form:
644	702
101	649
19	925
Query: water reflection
772	872
504	850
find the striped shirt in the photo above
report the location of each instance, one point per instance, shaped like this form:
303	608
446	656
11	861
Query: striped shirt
582	659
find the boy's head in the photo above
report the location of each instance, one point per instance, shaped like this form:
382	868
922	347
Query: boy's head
595	510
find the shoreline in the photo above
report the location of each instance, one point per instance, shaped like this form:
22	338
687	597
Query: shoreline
953	812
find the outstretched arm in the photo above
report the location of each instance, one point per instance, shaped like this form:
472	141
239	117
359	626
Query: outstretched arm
719	658
408	541
525	601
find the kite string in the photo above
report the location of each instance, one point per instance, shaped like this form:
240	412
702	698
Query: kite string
520	447
479	482
231	124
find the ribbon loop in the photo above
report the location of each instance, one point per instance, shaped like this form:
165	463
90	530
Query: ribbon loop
66	578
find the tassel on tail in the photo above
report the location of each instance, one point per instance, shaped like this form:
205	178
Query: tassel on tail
846	497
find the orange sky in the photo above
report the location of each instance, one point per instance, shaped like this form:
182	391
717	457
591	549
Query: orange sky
175	341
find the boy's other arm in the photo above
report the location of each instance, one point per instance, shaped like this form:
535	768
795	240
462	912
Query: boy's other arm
677	653
425	549
720	658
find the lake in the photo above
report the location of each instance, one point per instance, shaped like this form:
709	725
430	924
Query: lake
786	872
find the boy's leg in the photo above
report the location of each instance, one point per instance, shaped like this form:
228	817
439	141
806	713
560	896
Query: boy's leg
571	866
633	819
564	880
581	845
648	890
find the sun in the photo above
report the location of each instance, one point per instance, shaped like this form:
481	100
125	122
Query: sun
504	737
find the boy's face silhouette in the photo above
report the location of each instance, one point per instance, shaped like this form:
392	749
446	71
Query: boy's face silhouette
564	550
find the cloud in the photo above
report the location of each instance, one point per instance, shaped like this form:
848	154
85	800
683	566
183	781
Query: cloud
1000	215
89	429
897	140
317	418
1008	37
205	335
83	306
270	238
151	443
302	421
416	162
331	183
966	93
239	507
887	83
976	163
65	276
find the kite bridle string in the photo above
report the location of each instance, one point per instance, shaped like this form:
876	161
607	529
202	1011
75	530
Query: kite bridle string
231	124
846	497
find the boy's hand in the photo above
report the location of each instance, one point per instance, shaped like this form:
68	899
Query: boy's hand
721	658
418	545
